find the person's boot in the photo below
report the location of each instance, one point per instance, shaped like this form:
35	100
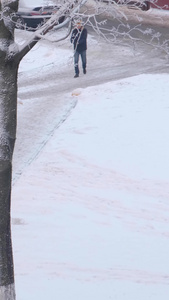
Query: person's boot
76	71
84	71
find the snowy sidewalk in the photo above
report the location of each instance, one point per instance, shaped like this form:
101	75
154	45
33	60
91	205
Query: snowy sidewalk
90	214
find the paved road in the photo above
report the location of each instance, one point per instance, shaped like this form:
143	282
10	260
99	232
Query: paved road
42	92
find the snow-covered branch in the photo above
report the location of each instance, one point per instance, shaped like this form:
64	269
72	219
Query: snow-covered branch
67	9
96	14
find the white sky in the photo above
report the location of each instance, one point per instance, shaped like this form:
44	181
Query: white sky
90	213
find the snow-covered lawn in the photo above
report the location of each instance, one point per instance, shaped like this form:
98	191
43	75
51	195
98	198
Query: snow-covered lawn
91	213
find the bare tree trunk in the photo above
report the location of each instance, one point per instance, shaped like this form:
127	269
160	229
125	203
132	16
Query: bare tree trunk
8	108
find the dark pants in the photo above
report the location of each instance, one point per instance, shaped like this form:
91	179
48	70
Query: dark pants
76	61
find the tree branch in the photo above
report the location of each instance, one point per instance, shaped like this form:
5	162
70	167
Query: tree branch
60	39
65	10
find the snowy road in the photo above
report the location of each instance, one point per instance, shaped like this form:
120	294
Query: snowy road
45	77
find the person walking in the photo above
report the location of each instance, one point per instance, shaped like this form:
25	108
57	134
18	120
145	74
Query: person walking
79	40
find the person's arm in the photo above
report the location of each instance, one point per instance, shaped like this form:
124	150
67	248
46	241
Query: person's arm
83	36
73	36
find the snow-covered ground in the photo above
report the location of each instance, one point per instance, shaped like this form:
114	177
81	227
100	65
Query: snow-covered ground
90	213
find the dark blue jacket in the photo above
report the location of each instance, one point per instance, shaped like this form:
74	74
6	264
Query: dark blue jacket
79	39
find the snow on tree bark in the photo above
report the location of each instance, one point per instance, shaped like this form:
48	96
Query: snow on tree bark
7	292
